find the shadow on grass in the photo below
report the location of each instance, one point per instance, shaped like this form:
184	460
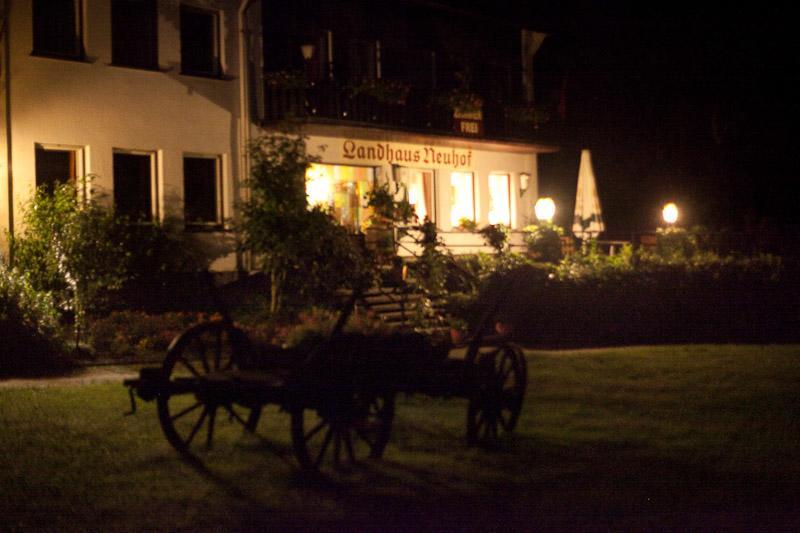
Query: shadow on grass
528	483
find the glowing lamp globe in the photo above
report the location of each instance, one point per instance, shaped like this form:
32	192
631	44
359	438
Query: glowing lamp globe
670	213
545	209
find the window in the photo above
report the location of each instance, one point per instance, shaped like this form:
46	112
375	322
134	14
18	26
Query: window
134	185
134	33
199	41
417	187
55	166
462	197
202	191
57	28
499	199
341	189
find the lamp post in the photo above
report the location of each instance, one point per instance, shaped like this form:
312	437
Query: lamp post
670	214
545	209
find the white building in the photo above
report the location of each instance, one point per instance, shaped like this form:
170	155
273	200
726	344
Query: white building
156	100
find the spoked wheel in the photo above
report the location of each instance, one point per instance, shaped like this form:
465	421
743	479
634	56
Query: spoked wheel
342	432
495	406
194	404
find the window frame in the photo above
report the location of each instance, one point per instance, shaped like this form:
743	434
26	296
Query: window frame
219	197
79	53
155	212
216	38
81	183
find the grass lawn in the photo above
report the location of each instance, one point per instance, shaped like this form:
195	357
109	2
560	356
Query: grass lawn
663	438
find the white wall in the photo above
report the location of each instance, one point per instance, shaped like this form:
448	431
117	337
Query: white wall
99	107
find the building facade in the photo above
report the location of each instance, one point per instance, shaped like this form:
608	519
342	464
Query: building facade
149	105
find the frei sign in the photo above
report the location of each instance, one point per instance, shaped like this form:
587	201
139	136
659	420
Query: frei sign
393	153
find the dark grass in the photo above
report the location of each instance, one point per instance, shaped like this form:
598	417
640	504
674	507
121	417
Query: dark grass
645	438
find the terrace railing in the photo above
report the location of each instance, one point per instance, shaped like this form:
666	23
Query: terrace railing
332	101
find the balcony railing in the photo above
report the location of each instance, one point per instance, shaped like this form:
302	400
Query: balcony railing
416	112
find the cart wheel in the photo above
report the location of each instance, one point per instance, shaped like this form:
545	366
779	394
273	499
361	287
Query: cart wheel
342	432
501	381
188	413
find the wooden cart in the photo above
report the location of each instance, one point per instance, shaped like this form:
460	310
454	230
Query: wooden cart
340	396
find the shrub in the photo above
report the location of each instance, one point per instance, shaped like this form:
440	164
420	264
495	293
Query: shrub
126	334
28	327
544	242
647	299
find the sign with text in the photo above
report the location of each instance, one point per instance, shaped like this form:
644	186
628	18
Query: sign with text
392	153
468	122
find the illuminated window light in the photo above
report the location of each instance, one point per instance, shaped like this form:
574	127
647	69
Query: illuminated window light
462	201
499	199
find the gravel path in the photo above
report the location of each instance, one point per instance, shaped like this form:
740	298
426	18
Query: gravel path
91	374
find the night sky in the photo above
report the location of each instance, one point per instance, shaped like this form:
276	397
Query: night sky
691	105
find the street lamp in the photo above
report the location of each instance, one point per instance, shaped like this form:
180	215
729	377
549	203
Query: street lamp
670	213
545	209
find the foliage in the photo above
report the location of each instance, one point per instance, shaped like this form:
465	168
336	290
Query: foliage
532	115
461	100
82	253
382	90
467	224
304	252
70	247
286	79
679	244
386	207
430	268
126	334
28	326
496	236
544	241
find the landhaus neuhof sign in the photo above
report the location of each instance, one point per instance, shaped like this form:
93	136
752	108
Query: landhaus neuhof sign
405	154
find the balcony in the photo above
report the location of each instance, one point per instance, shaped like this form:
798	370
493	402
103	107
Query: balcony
399	107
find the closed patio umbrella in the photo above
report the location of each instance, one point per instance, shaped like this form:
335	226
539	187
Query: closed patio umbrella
588	220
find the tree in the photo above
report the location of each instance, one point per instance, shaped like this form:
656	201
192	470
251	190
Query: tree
303	251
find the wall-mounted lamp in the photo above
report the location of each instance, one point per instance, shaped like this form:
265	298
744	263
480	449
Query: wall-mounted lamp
524	182
307	50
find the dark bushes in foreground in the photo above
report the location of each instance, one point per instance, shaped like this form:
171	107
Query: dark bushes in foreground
707	299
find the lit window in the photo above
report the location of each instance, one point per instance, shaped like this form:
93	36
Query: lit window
417	188
134	185
134	33
202	187
462	197
499	199
57	28
341	189
199	41
54	166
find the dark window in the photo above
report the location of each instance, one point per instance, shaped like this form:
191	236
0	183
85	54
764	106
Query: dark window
133	185
54	167
201	198
199	41
134	33
57	28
